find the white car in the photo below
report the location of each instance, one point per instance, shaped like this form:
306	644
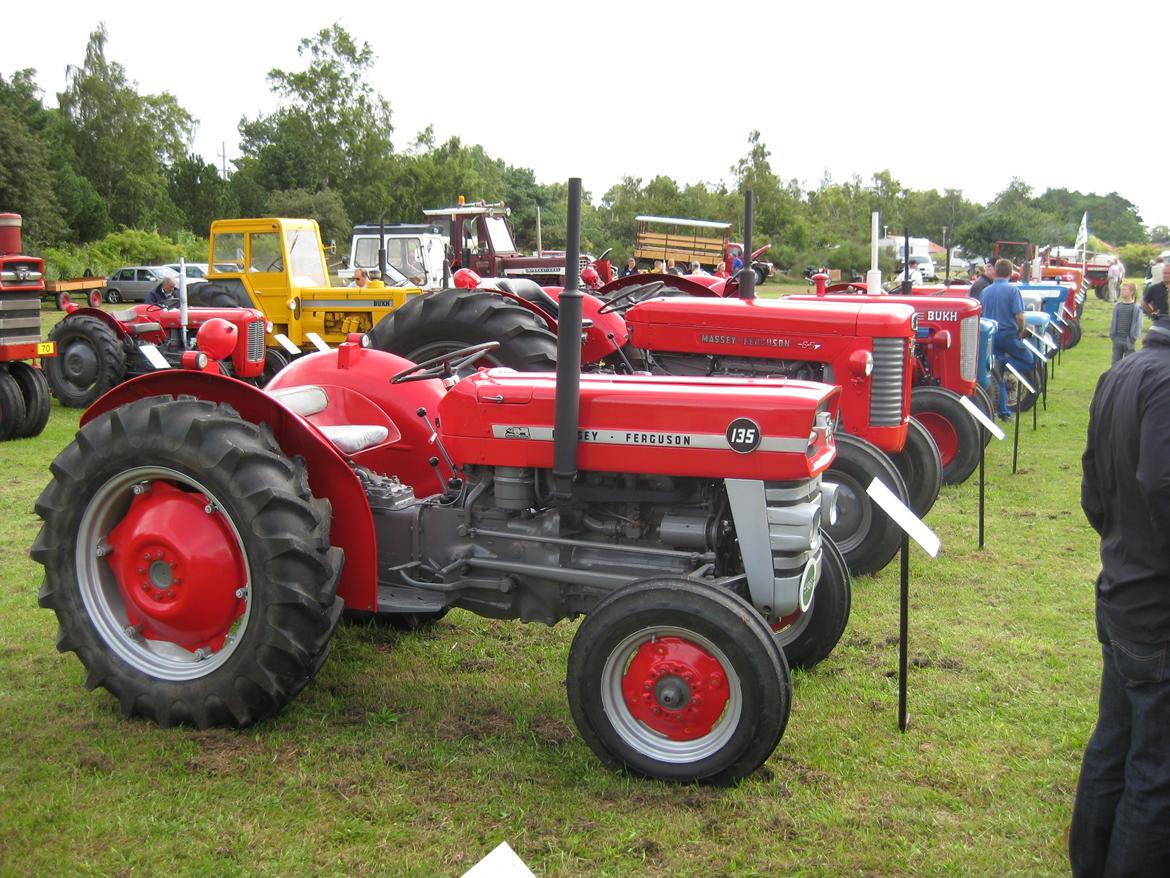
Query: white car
196	271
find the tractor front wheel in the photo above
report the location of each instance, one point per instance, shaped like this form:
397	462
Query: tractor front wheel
866	536
954	431
808	637
90	360
13	413
188	563
34	388
678	680
920	465
1074	334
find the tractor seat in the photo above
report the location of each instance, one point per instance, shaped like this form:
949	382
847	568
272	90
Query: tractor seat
311	399
531	291
143	328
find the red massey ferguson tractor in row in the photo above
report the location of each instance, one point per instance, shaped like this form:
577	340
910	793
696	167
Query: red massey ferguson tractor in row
669	325
202	536
24	393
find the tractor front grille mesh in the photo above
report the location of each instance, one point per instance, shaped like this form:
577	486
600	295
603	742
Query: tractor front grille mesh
968	347
256	341
20	317
886	387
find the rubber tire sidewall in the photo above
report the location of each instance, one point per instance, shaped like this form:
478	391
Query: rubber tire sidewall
920	466
111	357
34	387
828	613
12	407
860	461
945	404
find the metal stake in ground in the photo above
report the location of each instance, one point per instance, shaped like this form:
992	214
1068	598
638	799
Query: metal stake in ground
1016	439
912	526
991	427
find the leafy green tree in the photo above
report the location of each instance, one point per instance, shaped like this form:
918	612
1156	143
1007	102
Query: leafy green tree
200	193
326	207
124	142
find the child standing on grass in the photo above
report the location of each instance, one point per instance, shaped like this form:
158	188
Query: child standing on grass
1127	322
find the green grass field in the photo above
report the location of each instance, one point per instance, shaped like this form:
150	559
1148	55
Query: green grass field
417	754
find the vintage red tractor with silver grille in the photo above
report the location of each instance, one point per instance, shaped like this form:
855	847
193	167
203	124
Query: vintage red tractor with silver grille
24	393
669	325
202	536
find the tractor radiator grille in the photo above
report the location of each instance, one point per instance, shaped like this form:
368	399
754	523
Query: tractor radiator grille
968	347
20	318
256	341
886	387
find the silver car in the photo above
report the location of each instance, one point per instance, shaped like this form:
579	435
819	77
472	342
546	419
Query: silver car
131	284
196	271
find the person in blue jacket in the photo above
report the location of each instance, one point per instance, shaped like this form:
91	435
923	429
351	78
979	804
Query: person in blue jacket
1003	303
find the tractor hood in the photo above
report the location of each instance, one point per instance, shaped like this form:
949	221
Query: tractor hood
767	429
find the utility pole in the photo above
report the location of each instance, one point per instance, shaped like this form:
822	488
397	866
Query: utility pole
223	157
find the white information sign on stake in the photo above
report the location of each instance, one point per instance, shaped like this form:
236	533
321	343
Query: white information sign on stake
285	342
154	356
1043	339
975	412
904	518
1034	349
1067	313
502	862
318	342
1020	377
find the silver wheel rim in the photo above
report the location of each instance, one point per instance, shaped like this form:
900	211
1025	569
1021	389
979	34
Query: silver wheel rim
103	599
646	740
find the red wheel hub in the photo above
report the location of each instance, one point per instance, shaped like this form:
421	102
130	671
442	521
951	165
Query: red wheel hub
943	433
784	621
179	567
676	688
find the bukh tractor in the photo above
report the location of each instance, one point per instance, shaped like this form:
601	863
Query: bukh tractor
663	324
202	536
24	392
98	350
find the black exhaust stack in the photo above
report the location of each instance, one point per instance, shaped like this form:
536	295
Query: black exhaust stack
568	401
747	274
907	284
382	247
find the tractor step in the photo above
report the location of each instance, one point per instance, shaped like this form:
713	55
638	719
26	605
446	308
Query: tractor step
404	599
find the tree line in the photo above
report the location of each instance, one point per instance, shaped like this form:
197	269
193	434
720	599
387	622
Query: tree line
111	171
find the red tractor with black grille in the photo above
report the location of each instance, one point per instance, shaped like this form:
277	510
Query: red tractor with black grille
203	536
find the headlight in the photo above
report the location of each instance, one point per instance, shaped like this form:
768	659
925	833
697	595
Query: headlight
861	362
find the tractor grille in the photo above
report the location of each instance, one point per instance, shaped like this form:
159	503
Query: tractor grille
583	263
886	386
20	318
256	341
968	347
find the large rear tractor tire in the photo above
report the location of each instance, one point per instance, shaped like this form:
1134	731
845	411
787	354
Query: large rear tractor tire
34	387
438	323
188	563
808	637
867	537
12	408
954	431
90	360
1074	334
920	466
679	681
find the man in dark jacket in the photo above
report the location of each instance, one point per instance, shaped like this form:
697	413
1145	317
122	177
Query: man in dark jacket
162	293
1155	300
1121	819
985	280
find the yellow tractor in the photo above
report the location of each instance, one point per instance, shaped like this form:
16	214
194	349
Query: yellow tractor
278	266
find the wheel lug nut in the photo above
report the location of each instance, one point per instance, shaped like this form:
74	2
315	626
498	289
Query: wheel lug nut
240	592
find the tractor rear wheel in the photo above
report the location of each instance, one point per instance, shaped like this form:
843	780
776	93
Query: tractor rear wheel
274	361
188	563
438	323
984	404
34	387
90	360
866	536
921	468
808	637
12	408
951	427
680	681
1074	334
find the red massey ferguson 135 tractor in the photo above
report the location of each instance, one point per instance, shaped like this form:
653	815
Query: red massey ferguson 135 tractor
100	349
24	393
202	536
695	332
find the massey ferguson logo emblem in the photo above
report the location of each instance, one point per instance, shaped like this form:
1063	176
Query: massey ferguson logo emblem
516	433
743	435
942	315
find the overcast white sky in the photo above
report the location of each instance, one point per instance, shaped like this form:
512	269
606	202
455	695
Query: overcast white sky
960	95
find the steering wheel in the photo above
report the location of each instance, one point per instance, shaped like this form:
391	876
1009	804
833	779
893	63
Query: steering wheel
445	365
603	255
646	290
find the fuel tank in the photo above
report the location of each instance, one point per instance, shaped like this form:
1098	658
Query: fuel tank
768	429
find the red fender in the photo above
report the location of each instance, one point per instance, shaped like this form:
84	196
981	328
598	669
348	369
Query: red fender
689	285
330	476
117	326
598	341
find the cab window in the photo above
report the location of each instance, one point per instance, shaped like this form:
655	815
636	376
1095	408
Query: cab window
229	252
265	257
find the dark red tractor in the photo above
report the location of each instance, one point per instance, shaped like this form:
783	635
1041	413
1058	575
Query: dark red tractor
100	349
663	324
24	392
202	536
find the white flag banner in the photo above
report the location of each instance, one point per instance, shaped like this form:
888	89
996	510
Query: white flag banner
1083	231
